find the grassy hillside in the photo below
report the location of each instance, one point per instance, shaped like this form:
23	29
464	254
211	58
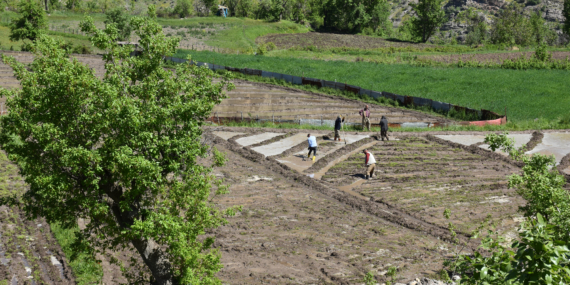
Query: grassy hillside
526	94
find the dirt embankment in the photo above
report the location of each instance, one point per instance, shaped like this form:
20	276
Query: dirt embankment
325	40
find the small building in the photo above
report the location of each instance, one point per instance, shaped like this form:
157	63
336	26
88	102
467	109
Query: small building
223	11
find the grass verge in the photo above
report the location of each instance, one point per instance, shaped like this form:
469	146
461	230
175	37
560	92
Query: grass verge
85	268
526	95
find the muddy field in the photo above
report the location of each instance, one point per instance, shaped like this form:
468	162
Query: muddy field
424	178
490	57
291	234
323	40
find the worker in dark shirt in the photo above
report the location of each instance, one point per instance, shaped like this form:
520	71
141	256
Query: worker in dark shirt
384	128
338	126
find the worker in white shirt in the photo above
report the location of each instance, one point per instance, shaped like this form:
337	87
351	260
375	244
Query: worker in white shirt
369	163
312	140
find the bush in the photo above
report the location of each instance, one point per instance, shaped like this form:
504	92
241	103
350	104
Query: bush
82	49
271	46
261	49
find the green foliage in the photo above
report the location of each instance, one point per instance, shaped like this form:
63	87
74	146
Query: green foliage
541	53
429	17
512	27
566	14
84	266
261	49
392	271
540	254
120	19
127	161
477	29
541	31
30	24
369	279
183	8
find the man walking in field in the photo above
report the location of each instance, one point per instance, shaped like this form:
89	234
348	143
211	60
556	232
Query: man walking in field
337	127
312	140
384	128
365	113
369	163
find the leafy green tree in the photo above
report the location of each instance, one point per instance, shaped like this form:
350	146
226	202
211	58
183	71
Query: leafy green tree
120	19
512	27
429	17
183	8
477	29
31	23
244	8
542	31
541	253
210	4
566	14
120	152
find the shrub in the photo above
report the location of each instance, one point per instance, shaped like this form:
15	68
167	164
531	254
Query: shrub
261	49
271	46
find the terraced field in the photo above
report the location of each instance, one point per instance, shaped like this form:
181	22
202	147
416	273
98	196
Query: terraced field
424	178
262	101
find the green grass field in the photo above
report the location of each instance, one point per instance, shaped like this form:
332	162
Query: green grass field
526	94
238	33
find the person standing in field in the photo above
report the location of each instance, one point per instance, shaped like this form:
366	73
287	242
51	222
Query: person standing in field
312	140
365	113
337	127
384	128
369	163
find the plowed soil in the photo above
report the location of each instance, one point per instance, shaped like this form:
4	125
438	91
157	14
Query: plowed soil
424	178
29	254
290	234
324	40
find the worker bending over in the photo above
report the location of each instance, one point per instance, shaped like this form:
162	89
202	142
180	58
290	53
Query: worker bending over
312	146
370	163
365	113
337	127
384	128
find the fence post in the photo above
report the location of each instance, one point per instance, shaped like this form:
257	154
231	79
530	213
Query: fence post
321	120
242	117
273	119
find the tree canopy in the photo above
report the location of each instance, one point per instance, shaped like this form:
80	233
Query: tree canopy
120	19
30	24
429	17
120	152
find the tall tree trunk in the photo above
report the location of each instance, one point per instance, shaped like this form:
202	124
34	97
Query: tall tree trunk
150	252
47	6
155	260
